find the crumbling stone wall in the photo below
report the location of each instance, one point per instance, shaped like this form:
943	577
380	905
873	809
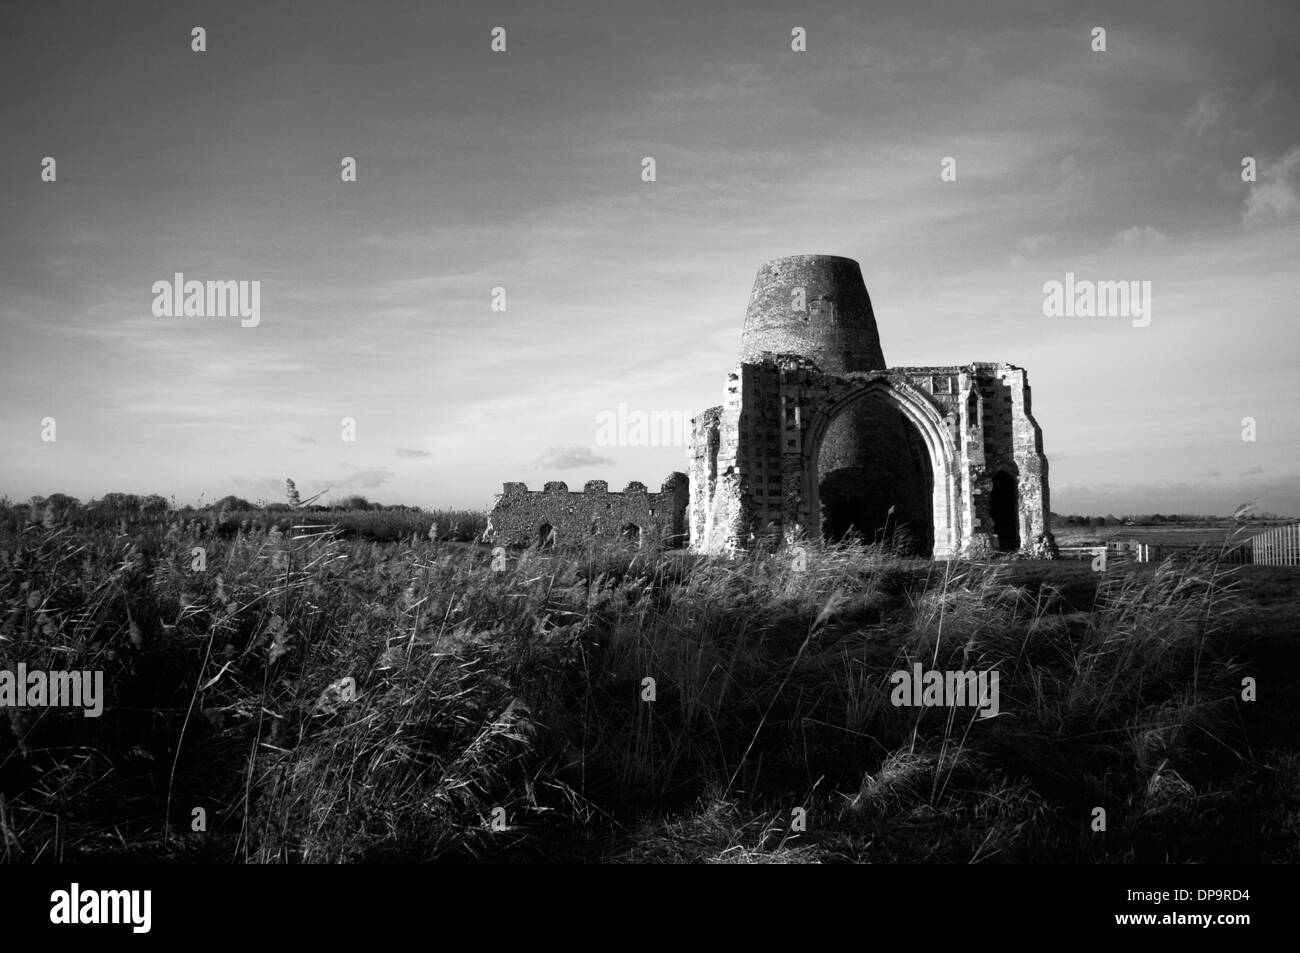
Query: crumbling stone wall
523	517
817	435
758	463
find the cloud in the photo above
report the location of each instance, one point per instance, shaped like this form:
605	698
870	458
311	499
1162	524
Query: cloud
1074	187
270	487
1034	243
1275	196
363	480
1029	245
1262	96
407	452
570	458
1210	473
1278	494
310	440
1140	235
1206	116
1252	471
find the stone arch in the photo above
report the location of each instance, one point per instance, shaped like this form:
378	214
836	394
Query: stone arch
923	417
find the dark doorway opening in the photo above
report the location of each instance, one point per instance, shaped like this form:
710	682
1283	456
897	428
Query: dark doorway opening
875	480
545	535
632	533
1004	506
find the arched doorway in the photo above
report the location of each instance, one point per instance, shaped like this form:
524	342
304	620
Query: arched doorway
874	476
1004	507
545	535
632	534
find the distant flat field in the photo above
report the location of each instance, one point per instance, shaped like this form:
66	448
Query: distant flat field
1173	535
1268	597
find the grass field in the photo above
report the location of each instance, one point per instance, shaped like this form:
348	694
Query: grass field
1171	535
314	698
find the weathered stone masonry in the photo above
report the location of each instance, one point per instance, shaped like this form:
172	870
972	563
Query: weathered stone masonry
759	462
816	434
524	517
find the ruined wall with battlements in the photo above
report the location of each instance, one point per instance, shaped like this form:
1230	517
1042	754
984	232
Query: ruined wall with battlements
816	435
555	515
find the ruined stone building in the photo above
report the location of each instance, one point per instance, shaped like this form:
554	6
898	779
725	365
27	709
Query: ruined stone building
817	435
523	517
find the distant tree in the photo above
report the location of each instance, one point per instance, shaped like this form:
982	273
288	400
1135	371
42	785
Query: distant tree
1093	523
291	494
61	501
120	502
153	503
232	503
356	503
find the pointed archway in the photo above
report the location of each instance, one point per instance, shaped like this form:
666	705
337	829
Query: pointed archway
878	462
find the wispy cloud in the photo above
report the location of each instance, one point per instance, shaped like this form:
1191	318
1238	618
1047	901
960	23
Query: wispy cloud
1275	195
570	458
1139	235
376	294
1206	117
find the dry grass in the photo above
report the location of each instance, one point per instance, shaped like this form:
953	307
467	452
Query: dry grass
501	715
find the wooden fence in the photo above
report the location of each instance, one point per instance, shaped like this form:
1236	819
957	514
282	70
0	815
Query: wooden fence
1234	554
1116	553
1277	547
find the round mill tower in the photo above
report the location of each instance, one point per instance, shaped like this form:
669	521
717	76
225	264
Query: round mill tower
836	327
872	471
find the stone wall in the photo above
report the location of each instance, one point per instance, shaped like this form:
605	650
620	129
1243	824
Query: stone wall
816	435
947	460
523	517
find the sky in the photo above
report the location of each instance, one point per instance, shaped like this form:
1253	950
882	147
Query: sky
523	170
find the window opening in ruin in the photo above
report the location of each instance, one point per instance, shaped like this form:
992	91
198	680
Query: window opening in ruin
632	533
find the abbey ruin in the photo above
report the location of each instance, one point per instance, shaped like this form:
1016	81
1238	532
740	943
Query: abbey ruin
817	435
